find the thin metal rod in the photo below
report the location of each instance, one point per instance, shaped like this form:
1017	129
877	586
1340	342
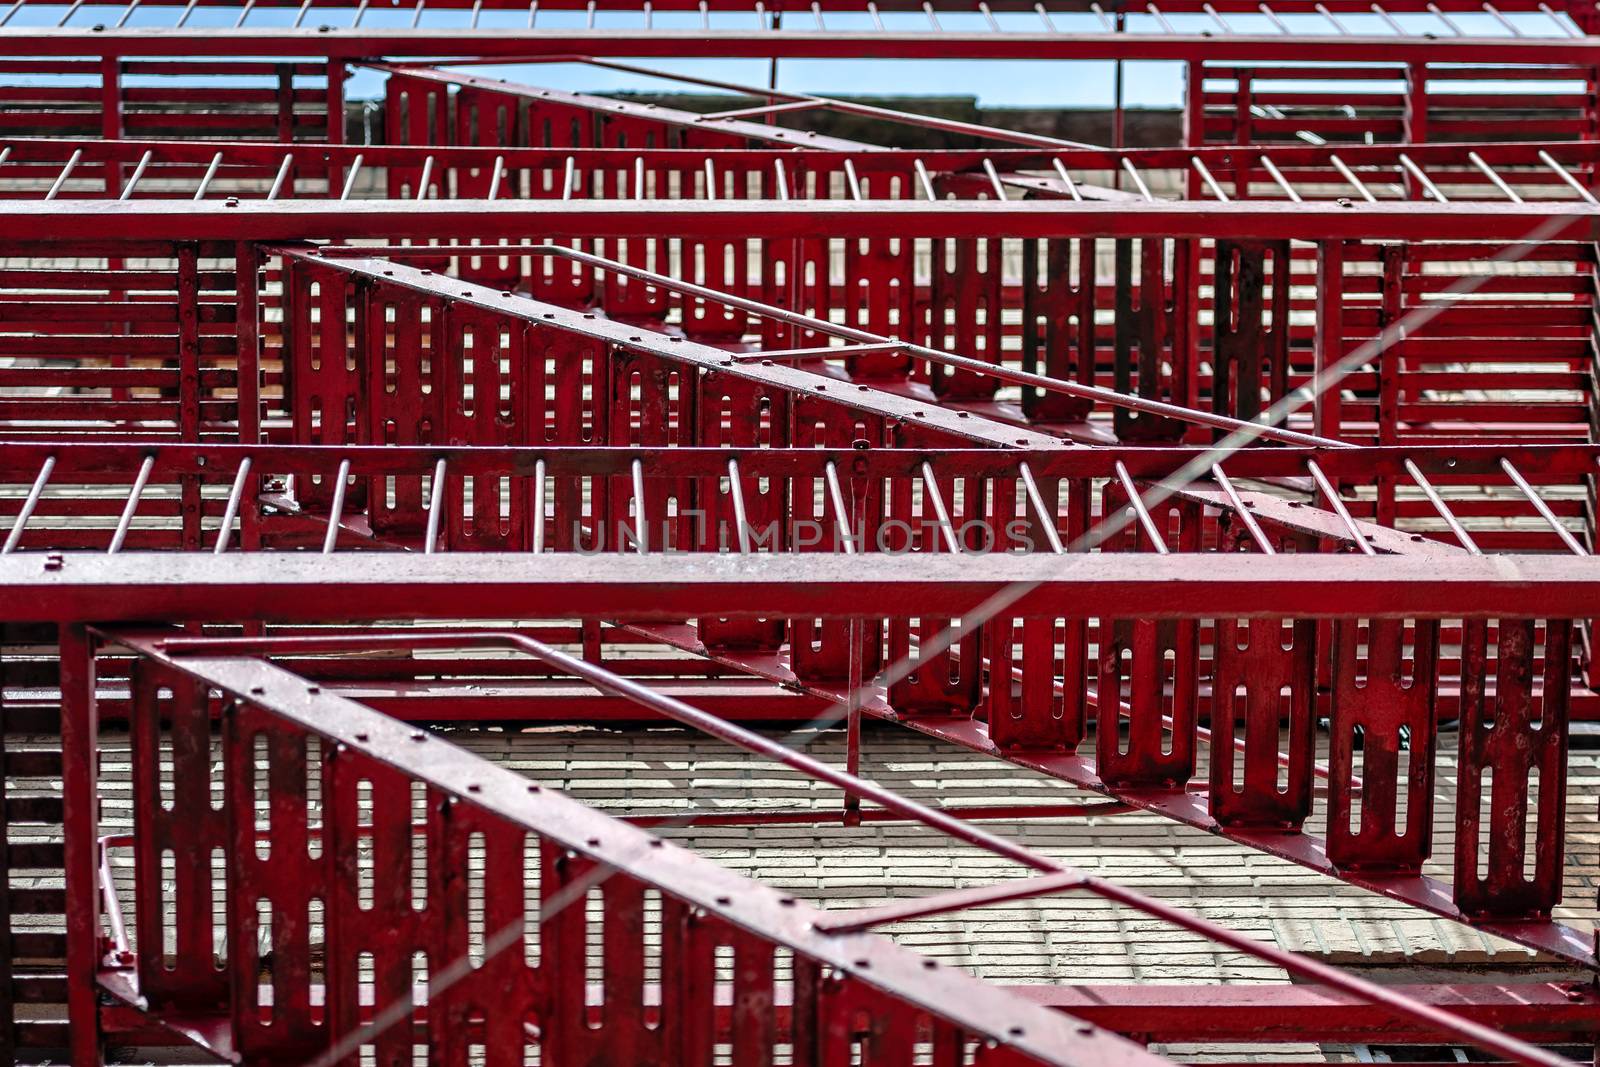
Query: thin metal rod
1542	508
1562	172
1239	509
538	506
138	172
1494	176
1350	176
435	509
1136	502
1222	23
120	535
1446	19
1155	12
1047	520
211	172
1427	183
235	495
736	494
853	182
930	489
336	509
859	919
1505	23
1277	176
1072	186
43	479
764	109
1443	509
283	175
425	180
642	534
66	171
1565	27
825	352
994	179
350	180
1272	16
1343	30
1337	503
1389	19
1138	179
841	515
494	178
1205	175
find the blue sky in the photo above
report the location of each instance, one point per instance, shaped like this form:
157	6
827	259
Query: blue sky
994	83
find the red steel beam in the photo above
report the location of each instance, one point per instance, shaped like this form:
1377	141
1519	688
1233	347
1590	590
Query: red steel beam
443	45
1182	1012
116	462
1187	1013
65	587
252	220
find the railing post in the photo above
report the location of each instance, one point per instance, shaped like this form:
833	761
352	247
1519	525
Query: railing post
7	968
189	390
1329	343
111	118
1380	802
247	339
1512	775
80	818
1389	361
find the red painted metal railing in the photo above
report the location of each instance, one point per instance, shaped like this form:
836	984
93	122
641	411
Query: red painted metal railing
1167	677
643	379
392	815
389	893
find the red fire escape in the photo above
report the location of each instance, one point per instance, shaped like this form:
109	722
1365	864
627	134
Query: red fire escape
1247	481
